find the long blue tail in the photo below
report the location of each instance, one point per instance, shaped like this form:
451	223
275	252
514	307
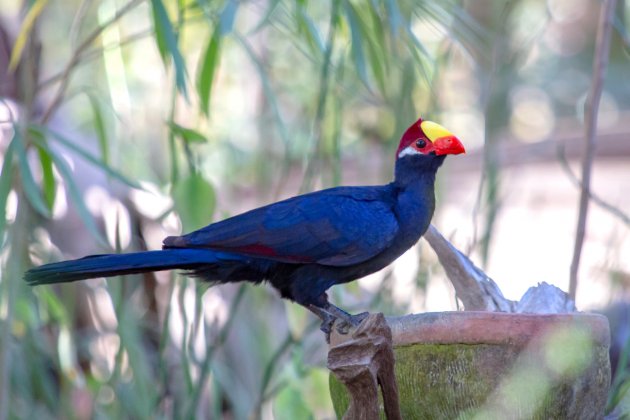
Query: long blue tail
118	264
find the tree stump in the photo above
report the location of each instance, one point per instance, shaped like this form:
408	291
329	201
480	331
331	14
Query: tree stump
363	360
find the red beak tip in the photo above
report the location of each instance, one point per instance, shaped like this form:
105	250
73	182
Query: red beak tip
449	146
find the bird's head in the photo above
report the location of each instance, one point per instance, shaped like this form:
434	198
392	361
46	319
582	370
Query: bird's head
428	138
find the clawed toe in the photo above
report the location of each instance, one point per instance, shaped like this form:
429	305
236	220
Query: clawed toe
358	318
326	326
343	327
330	313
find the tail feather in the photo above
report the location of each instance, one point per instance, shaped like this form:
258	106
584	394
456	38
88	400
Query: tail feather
119	264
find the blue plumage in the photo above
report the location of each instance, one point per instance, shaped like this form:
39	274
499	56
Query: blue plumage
331	227
302	245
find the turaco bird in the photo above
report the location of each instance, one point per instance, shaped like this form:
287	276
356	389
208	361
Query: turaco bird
302	245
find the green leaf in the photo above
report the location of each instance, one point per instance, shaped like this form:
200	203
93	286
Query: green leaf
25	30
55	306
31	190
6	177
424	61
395	18
307	29
208	66
100	127
376	48
187	134
42	131
167	44
48	179
158	27
195	201
77	198
227	17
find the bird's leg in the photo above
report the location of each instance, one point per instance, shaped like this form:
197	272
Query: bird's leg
327	318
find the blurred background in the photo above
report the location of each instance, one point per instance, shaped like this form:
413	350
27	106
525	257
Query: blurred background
124	121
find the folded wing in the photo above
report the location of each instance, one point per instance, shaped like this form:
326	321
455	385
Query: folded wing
335	227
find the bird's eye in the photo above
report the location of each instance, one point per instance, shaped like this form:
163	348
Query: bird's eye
420	143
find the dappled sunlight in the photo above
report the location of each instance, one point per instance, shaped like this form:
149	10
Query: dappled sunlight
11	206
565	39
532	116
215	308
101	307
113	213
150	201
608	111
566	11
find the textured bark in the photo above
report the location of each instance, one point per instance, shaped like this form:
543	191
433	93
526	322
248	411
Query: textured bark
363	360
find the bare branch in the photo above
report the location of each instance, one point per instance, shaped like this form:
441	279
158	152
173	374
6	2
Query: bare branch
602	50
473	287
615	211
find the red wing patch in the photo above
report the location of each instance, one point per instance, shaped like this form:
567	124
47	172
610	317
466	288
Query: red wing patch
259	250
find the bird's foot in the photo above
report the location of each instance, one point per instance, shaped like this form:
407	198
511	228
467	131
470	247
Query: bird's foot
329	313
327	320
343	327
347	321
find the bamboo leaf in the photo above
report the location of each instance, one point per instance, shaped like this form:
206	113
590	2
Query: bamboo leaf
25	30
77	198
160	36
100	126
424	61
6	177
187	134
167	44
395	18
54	305
42	131
208	66
49	185
375	47
308	29
48	179
31	190
227	17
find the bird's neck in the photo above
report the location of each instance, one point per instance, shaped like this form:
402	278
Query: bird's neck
416	172
414	182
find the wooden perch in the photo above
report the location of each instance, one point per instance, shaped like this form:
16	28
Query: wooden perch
363	360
